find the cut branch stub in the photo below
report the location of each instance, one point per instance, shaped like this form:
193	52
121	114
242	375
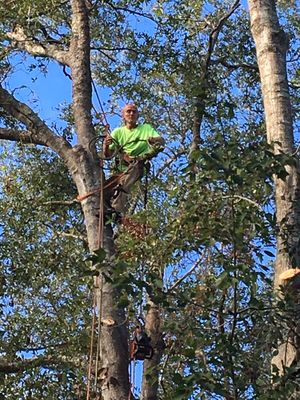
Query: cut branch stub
291	277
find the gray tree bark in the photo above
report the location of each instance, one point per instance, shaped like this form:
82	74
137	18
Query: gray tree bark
83	164
151	367
271	46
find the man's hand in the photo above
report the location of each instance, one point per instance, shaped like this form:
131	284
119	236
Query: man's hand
106	143
108	140
156	141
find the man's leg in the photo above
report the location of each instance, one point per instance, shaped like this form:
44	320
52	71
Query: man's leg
110	186
126	182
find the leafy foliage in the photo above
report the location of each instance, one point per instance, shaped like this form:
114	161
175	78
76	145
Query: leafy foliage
44	297
211	219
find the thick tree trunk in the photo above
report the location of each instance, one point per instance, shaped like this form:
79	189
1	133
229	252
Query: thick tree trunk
113	379
83	164
81	73
151	367
113	366
271	46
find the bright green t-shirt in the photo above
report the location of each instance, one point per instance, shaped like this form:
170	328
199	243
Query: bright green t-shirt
133	142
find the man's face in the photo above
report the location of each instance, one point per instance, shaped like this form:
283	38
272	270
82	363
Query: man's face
130	114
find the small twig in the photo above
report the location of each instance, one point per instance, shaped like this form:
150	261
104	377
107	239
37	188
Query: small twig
186	274
104	49
297	149
41	348
134	12
61	202
236	196
71	235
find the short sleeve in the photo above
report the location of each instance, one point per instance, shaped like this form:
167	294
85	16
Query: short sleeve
152	132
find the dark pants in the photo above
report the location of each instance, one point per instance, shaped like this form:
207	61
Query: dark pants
122	184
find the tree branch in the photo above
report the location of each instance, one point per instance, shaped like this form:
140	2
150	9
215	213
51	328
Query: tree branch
61	202
222	61
236	196
121	48
38	131
33	47
186	274
130	11
22	136
201	97
71	235
11	367
213	37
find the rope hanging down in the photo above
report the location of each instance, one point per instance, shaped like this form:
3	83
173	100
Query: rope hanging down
98	288
97	305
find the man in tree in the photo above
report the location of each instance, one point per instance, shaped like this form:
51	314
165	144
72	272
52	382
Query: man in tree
135	144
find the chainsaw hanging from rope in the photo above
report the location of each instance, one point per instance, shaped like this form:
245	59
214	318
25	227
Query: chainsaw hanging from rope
140	350
140	347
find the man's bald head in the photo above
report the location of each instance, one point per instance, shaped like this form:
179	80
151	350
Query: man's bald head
130	107
130	115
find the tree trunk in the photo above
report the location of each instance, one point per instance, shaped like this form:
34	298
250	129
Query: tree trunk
151	367
271	46
81	73
83	164
113	377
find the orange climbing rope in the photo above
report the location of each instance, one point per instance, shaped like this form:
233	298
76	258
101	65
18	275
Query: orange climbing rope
88	392
109	184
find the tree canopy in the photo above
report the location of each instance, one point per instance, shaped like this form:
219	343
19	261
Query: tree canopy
205	258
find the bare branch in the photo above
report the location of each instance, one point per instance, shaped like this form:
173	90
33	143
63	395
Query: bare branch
33	47
235	196
22	136
103	49
186	274
222	61
134	12
200	99
39	131
213	37
10	367
169	161
42	348
71	235
61	202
